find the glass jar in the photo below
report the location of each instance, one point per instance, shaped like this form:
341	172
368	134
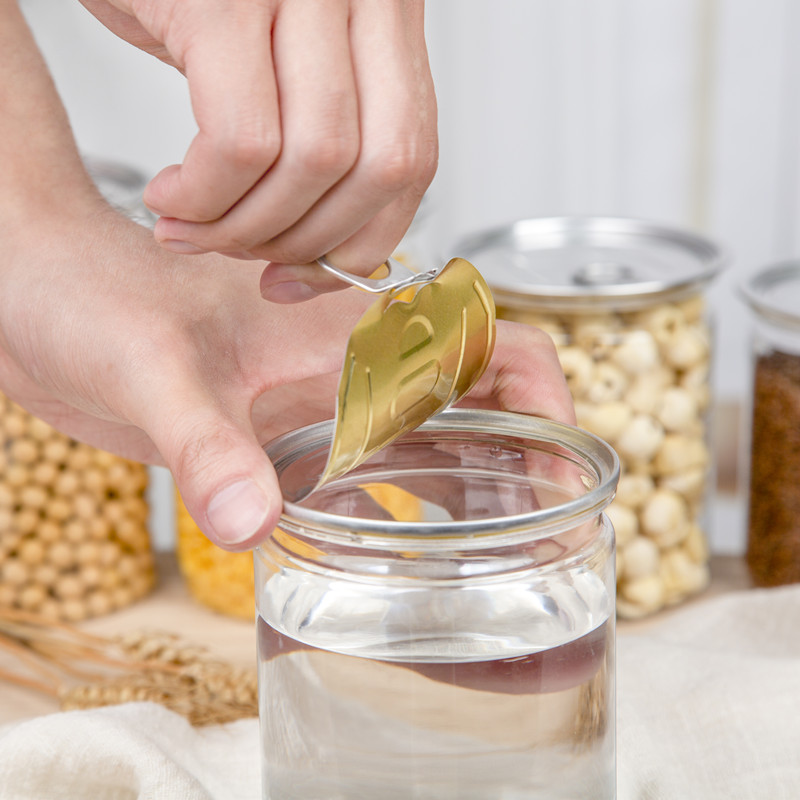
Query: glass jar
624	303
465	650
74	539
773	539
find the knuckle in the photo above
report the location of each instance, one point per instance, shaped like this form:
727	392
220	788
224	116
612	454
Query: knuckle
329	156
250	149
402	163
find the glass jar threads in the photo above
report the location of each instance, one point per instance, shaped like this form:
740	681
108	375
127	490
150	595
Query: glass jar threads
462	649
773	537
623	301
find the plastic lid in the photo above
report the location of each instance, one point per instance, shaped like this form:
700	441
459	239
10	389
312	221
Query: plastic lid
581	259
774	293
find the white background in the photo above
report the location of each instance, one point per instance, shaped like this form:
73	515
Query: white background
682	111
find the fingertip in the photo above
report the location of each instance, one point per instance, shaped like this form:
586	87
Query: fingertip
240	514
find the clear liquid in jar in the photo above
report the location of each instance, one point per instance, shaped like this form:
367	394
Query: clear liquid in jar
532	726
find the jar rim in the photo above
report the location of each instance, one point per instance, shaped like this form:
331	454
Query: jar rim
576	262
773	291
597	455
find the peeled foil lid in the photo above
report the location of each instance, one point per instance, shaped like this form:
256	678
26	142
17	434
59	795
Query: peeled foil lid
582	259
774	293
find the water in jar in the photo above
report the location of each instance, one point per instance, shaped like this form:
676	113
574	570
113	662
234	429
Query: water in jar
404	700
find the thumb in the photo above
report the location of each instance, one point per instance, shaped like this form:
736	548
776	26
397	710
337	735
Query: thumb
226	481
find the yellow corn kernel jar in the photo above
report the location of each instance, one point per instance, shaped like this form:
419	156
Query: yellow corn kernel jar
218	578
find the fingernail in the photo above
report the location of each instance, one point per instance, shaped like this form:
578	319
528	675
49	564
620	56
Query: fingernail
185	248
288	292
237	512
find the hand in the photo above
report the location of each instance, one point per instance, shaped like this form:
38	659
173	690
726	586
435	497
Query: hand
165	358
316	129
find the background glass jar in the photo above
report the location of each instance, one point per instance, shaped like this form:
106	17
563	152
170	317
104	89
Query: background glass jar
463	651
74	541
623	301
773	542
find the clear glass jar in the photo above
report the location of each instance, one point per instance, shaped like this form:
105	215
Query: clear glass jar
624	303
773	540
463	649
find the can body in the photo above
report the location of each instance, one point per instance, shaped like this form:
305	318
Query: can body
624	303
462	647
773	533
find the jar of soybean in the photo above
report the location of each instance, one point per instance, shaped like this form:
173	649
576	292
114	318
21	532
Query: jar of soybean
624	301
773	541
74	539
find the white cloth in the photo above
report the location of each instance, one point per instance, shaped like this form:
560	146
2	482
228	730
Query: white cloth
708	709
138	751
709	701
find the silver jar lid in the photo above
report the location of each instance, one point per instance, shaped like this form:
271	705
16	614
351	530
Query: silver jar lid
774	293
573	261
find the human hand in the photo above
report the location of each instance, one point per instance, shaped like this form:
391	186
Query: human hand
316	130
178	361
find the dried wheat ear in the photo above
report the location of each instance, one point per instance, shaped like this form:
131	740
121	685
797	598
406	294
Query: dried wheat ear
84	671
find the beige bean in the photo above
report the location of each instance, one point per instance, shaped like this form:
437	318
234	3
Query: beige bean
39	429
625	522
606	420
99	603
14	572
61	555
45	574
69	587
634	488
608	384
677	409
641	440
56	450
646	593
679	452
637	352
640	557
578	369
26	520
32	596
74	610
681	575
23	451
66	484
665	517
17	475
687	348
32	551
44	474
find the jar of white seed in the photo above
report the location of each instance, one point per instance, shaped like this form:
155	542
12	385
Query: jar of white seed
624	302
74	541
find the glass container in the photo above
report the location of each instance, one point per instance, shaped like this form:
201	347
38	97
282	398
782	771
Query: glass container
624	302
439	622
74	539
773	535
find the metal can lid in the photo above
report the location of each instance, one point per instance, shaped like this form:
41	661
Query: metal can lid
580	260
774	293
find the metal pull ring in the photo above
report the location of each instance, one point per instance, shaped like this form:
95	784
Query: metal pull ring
399	276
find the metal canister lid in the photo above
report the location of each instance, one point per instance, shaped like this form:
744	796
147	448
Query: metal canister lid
574	261
774	293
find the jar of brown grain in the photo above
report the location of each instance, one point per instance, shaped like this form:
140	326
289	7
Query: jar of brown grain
773	536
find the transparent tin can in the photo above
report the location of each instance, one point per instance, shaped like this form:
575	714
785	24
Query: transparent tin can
624	302
439	622
773	541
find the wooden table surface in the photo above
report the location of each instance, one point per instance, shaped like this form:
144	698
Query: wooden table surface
170	608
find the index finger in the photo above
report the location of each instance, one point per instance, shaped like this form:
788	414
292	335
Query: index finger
231	77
